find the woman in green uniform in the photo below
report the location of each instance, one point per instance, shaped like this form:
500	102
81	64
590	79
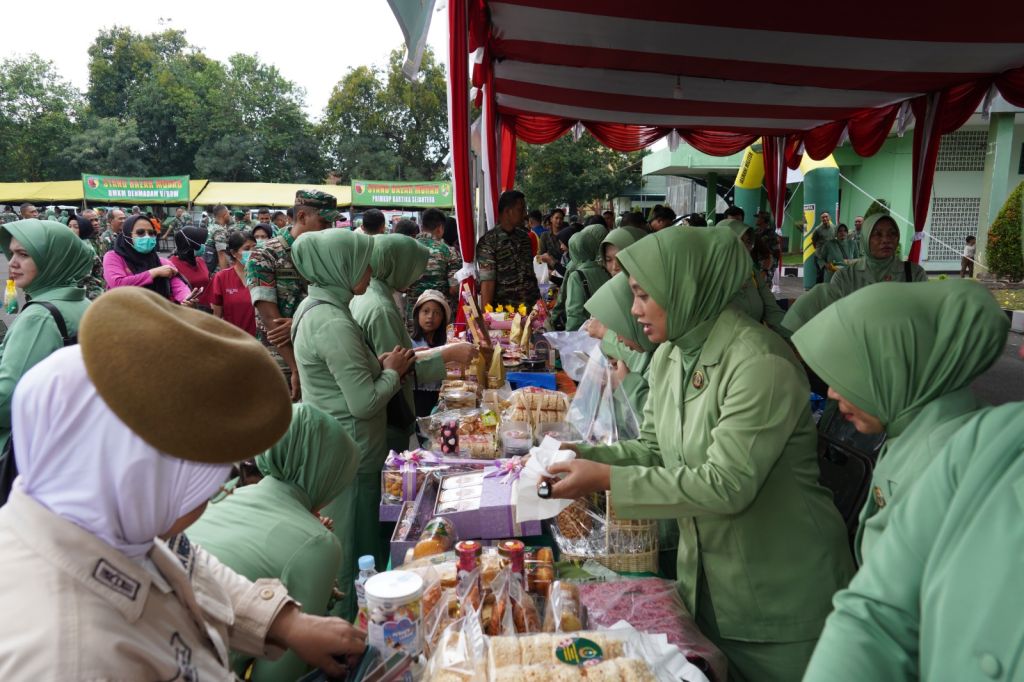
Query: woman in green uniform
940	597
900	359
342	376
46	261
616	241
269	530
880	240
397	262
728	450
753	297
622	338
584	276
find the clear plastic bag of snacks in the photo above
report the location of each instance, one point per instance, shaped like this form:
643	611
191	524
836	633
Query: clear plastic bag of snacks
465	433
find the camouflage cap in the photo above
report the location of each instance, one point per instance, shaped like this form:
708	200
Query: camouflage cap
238	214
326	204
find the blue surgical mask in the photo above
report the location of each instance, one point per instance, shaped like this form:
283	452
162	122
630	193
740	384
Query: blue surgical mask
200	250
245	255
260	241
144	244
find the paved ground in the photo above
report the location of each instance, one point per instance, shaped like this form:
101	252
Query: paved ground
1002	383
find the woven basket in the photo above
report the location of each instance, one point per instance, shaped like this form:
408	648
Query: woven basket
630	546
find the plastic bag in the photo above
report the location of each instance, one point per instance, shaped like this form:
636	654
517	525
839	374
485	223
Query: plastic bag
477	432
651	605
600	410
574	348
564	612
540	269
536	405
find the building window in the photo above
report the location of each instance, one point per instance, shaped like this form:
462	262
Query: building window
952	219
963	150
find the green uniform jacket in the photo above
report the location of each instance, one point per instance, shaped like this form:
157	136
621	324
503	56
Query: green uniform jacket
730	453
858	275
940	597
904	458
267	531
756	300
382	323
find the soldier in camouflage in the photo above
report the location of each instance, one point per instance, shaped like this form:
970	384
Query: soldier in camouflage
441	266
175	223
7	216
217	242
109	236
504	257
275	285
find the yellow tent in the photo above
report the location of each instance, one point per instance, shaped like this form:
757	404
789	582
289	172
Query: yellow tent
66	190
255	194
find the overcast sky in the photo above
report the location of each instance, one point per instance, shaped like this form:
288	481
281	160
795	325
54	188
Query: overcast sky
335	36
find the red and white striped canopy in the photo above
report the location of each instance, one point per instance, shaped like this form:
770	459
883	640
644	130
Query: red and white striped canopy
804	75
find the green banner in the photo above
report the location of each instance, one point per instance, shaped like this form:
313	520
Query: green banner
116	189
385	194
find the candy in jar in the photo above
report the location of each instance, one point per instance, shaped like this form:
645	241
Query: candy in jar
450	437
394	601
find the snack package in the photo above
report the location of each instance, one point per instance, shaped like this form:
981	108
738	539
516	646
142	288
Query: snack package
460	654
477	432
651	605
537	405
564	612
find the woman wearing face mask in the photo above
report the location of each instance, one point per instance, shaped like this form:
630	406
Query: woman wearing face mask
754	297
397	262
909	356
48	263
189	248
430	318
728	449
228	294
344	377
262	233
133	262
104	581
93	283
270	529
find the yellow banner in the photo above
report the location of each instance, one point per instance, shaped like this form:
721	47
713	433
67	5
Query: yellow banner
808	231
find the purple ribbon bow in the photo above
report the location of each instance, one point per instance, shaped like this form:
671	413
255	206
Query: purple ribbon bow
509	469
407	463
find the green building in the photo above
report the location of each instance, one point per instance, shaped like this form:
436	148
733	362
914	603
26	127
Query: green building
978	166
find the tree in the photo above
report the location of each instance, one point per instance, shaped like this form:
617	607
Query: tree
37	110
1005	252
107	146
121	61
573	172
383	126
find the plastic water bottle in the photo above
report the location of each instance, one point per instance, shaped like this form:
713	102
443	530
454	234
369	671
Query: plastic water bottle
367	569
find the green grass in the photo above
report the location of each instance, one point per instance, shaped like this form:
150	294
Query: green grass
1011	299
792	259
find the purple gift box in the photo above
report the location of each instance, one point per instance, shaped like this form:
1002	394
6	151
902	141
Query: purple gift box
412	519
411	467
484	509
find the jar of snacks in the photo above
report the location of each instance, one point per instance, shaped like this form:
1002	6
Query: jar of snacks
437	538
394	603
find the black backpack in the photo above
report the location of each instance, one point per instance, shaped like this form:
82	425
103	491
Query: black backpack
8	467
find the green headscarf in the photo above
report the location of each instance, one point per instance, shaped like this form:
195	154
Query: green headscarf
618	237
738	227
692	273
398	261
893	347
61	258
585	246
878	266
637	232
332	261
611	304
316	455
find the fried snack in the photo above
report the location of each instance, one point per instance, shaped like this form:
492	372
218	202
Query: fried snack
504	652
574	521
634	670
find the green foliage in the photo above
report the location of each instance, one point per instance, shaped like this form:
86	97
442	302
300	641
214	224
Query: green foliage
380	125
573	173
121	62
107	146
1005	251
37	121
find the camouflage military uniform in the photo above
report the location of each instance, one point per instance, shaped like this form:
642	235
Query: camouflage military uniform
106	242
442	265
95	283
216	242
507	259
8	217
271	276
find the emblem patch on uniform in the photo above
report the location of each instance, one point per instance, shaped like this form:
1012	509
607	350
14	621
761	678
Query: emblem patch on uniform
698	379
879	497
115	580
182	548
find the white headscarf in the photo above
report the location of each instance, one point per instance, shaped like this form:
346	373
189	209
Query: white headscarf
80	461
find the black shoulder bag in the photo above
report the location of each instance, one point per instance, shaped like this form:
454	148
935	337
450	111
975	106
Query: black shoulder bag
8	467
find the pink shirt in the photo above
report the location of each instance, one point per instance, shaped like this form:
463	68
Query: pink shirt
117	274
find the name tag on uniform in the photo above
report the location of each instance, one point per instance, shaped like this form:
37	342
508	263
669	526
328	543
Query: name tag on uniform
107	575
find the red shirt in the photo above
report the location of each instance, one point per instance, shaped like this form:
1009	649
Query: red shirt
229	292
197	275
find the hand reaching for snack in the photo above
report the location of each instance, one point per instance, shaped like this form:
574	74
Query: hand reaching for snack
583	477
